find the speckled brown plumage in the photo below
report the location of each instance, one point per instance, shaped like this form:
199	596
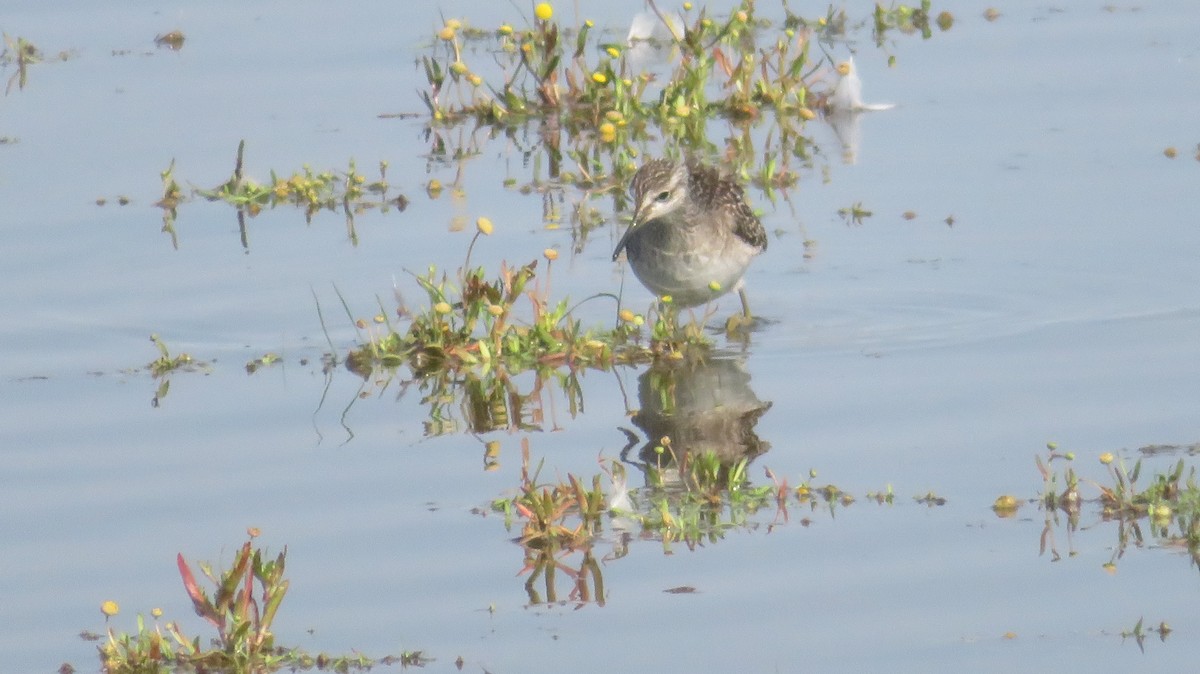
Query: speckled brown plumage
692	230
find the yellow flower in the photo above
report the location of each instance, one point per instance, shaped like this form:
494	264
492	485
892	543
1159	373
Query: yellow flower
626	315
495	309
1005	506
550	254
458	68
442	308
543	11
666	299
1106	458
505	29
613	51
484	226
156	612
608	132
454	24
599	78
687	6
110	608
714	286
807	114
446	33
474	79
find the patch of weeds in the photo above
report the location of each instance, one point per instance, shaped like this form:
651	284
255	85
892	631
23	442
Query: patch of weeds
734	66
242	606
908	19
166	364
1068	500
349	193
854	214
1169	503
1139	633
265	360
172	196
694	500
472	323
558	521
23	53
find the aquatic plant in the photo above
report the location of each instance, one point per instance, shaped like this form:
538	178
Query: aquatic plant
473	323
348	193
736	66
1169	504
242	606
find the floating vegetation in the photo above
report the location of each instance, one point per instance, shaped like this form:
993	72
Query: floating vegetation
1139	633
22	53
348	193
475	323
599	101
242	607
854	214
166	363
172	40
1168	503
692	500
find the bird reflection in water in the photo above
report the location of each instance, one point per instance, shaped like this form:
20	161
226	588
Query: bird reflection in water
701	407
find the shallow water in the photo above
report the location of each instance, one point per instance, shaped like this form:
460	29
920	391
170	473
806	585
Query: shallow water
1060	306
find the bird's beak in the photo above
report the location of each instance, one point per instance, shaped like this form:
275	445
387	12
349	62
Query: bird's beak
637	218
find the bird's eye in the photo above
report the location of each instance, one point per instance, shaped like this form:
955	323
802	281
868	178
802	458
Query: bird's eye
662	196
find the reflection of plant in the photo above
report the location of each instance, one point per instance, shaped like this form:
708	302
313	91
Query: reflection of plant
1169	503
560	519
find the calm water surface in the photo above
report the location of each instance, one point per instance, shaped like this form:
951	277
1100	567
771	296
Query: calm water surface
1061	306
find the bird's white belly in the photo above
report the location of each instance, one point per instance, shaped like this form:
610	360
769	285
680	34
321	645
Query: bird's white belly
690	274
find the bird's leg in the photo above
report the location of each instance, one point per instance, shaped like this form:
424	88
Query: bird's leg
745	304
738	322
